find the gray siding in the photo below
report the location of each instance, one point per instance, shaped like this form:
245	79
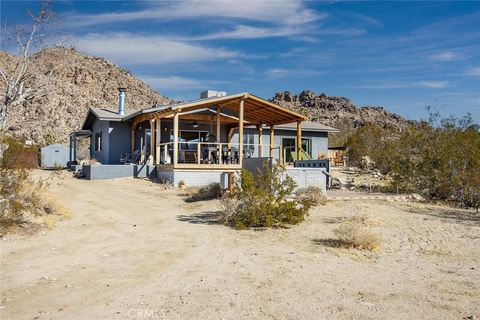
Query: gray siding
119	140
102	155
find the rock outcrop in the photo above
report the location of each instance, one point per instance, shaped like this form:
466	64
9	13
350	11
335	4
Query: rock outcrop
338	111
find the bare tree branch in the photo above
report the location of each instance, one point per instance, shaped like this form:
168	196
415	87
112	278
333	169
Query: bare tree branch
24	84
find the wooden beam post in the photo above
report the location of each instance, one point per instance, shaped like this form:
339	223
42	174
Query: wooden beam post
260	143
132	137
175	139
272	132
218	124
158	137
299	140
219	146
240	133
152	137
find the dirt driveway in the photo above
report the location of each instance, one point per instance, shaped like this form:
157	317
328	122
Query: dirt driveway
134	251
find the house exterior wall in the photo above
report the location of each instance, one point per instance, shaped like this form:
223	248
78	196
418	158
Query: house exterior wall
115	140
319	140
101	155
119	140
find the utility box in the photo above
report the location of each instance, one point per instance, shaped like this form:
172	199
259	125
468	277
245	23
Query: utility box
54	156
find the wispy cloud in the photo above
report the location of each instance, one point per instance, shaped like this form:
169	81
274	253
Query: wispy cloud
285	12
446	56
473	72
133	49
176	82
431	84
278	73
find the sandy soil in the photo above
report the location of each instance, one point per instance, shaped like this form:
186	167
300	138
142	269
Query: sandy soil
132	250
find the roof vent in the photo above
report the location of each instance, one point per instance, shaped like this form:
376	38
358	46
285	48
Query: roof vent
121	101
212	94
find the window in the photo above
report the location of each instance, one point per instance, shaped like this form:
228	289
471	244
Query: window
307	146
98	141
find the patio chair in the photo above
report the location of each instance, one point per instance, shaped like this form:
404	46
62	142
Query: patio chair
130	157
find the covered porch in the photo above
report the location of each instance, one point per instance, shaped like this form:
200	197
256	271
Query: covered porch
198	135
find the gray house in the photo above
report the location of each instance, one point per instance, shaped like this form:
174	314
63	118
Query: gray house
198	140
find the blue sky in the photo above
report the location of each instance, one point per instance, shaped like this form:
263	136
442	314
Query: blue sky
401	55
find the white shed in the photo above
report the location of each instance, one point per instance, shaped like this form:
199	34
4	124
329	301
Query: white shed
55	156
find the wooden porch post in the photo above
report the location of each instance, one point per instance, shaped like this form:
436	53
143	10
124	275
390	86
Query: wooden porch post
260	143
158	133
271	141
219	147
132	142
175	139
152	137
240	133
299	140
218	124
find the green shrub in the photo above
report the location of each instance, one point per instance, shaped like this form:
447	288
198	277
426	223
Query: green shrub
263	200
438	158
206	192
312	196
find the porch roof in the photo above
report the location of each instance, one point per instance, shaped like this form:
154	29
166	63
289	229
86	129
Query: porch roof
256	110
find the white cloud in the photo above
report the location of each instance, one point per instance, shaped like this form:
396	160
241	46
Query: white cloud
433	84
286	12
445	56
128	48
277	73
473	72
173	82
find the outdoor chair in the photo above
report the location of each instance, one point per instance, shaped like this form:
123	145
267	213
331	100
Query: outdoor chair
130	157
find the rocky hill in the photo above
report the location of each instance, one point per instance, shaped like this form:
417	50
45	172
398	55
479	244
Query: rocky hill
79	81
338	111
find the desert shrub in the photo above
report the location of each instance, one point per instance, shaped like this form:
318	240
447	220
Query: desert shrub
438	158
181	184
312	196
18	155
23	201
355	233
374	143
207	192
441	162
263	200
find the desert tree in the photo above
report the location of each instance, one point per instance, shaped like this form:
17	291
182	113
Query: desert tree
21	80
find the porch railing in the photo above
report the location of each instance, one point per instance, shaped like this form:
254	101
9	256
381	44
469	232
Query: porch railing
215	153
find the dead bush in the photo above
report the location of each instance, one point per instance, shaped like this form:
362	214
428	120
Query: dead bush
206	192
355	232
23	200
18	155
312	196
26	202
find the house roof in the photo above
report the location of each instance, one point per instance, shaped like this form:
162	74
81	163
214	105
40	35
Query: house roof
256	111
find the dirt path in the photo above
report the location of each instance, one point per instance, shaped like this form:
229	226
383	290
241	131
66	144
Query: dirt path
133	250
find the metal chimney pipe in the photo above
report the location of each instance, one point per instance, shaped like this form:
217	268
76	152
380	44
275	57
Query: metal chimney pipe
121	101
